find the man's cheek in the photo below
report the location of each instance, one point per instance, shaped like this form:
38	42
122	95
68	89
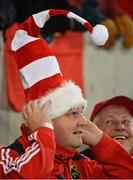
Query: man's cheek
107	130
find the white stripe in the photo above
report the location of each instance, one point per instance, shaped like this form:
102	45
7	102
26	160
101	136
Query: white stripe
20	39
7	157
38	70
9	160
33	136
41	18
9	164
5	160
28	159
30	138
26	156
76	17
28	152
17	165
2	154
3	165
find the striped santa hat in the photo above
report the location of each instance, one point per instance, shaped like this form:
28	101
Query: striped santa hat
39	68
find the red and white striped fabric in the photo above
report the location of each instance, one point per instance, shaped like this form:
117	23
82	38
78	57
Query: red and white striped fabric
9	164
25	163
39	69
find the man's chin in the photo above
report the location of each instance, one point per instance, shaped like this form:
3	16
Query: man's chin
78	144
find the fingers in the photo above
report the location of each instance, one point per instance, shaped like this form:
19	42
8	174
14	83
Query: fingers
25	115
46	105
33	106
87	125
35	116
28	108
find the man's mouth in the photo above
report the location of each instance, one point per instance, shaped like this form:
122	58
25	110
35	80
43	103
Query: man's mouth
120	137
77	132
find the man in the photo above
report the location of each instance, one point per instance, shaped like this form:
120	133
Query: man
71	131
14	165
115	117
42	81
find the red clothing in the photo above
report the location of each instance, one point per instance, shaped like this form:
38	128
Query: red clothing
39	146
121	6
113	8
70	164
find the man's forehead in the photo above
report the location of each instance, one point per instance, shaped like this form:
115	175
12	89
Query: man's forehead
112	107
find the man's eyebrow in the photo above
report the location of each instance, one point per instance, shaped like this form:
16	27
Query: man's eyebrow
108	115
71	110
127	115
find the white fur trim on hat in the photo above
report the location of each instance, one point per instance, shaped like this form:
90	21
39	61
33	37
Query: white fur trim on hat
67	96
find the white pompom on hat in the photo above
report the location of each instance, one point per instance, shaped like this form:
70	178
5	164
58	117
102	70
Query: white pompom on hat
99	35
39	68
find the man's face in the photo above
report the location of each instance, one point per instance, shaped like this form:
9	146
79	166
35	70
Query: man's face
66	129
118	123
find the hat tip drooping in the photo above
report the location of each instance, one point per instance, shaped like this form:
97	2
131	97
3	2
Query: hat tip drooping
99	33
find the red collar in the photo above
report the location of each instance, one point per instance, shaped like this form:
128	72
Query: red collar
64	154
25	130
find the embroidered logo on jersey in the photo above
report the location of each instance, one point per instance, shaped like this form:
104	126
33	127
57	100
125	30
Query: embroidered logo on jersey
75	173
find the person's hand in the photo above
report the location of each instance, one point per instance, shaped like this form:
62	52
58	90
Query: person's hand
35	116
91	134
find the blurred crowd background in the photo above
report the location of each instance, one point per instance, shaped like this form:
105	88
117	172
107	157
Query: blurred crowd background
101	72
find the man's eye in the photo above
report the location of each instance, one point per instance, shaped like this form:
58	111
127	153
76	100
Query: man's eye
109	121
74	113
126	121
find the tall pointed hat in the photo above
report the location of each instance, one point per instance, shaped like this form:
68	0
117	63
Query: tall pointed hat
39	68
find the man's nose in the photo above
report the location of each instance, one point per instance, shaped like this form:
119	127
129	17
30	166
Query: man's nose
82	119
119	126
